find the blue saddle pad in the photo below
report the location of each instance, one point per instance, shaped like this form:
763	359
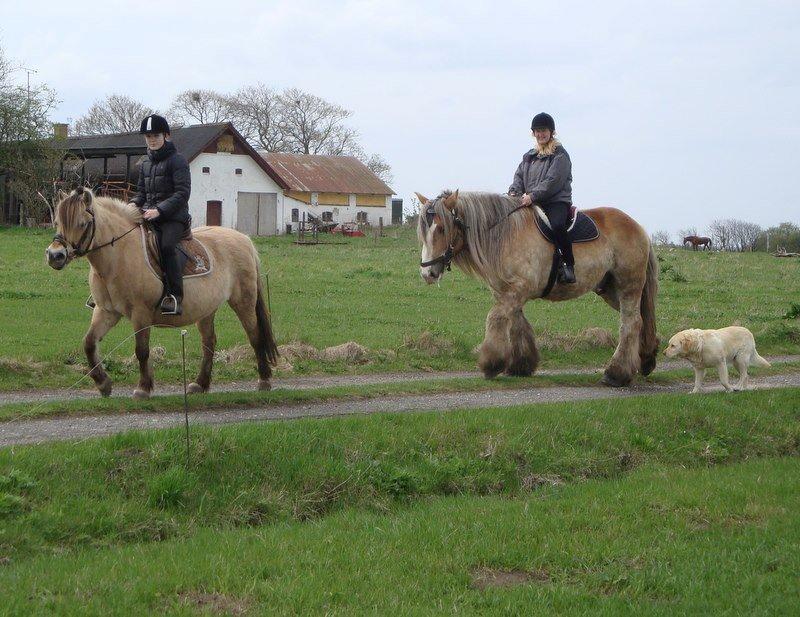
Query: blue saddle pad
581	228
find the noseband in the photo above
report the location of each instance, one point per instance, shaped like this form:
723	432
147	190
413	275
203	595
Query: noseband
79	249
446	257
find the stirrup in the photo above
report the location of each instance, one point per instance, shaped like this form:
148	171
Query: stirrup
176	307
90	303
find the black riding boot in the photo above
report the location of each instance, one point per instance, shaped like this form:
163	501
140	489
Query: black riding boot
566	274
173	277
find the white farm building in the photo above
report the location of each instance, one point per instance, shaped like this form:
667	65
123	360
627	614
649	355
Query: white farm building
235	186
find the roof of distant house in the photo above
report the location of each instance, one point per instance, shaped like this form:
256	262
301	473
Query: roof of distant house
189	140
326	174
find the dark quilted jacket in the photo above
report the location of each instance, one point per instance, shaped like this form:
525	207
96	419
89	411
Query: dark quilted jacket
547	179
165	184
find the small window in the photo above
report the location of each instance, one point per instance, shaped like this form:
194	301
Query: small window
295	215
206	170
361	217
327	217
238	171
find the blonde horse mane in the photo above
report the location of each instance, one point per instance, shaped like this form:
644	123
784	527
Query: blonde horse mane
72	207
490	225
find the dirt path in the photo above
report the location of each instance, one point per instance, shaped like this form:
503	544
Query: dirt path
68	428
306	383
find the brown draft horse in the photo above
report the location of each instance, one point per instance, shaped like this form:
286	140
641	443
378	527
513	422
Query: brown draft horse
106	231
489	236
698	241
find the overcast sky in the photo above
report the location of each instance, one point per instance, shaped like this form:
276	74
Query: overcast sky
676	112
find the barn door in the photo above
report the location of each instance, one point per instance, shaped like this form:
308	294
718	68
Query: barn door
267	214
247	213
214	213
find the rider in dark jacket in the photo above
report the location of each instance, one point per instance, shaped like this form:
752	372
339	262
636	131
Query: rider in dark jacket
163	193
544	177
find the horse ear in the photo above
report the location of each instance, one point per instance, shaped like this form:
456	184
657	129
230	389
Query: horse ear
422	199
62	195
87	198
450	200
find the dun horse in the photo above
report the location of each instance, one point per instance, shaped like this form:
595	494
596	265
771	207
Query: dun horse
123	285
490	237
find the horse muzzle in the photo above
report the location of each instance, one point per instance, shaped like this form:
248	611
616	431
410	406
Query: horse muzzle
57	258
431	274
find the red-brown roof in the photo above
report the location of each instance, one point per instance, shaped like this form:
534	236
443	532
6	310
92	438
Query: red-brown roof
326	174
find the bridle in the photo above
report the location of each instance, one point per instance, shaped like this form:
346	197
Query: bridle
80	249
446	257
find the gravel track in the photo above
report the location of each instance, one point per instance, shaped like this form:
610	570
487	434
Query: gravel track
305	383
84	427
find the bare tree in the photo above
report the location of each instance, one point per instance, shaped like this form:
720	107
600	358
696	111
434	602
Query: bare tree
255	112
312	125
378	165
28	158
743	235
199	106
721	234
660	238
117	113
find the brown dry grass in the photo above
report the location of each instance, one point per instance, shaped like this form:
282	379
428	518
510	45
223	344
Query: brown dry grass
428	343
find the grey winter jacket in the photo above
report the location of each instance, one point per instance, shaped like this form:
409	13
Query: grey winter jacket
547	179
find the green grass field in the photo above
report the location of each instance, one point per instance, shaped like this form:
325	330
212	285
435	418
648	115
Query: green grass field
370	292
662	505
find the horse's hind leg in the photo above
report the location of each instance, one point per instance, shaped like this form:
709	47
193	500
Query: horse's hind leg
145	386
524	355
208	339
102	322
625	361
246	306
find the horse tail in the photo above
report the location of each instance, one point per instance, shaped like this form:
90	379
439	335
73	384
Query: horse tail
266	339
648	344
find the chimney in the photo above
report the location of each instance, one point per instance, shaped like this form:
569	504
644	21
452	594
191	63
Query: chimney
60	130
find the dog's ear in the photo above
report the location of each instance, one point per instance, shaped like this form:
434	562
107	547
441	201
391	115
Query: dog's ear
692	342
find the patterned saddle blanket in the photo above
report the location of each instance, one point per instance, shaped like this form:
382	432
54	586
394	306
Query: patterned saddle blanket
581	227
194	257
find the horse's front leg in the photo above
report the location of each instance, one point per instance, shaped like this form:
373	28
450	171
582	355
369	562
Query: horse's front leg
524	355
495	352
102	322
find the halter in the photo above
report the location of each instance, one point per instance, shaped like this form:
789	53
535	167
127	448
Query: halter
79	250
446	257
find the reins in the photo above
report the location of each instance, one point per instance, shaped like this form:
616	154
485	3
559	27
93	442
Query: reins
80	252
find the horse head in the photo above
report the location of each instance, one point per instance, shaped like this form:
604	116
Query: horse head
75	227
441	232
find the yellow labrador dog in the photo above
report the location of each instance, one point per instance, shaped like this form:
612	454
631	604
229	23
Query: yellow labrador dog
710	348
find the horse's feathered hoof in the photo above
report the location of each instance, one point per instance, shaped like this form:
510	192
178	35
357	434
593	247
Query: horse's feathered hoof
614	381
264	384
648	366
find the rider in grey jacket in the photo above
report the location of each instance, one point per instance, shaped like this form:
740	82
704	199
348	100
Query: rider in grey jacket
544	177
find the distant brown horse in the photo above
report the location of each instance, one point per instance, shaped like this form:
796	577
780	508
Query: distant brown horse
106	231
491	237
698	241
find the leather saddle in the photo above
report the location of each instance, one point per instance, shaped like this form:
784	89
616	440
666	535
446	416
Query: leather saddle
193	255
581	227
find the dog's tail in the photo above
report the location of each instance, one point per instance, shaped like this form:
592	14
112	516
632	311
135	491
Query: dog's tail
756	360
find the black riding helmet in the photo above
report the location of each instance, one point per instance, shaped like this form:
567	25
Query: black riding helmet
543	121
154	124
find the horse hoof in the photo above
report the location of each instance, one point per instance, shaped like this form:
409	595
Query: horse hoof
196	388
105	388
264	384
648	366
140	394
614	381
